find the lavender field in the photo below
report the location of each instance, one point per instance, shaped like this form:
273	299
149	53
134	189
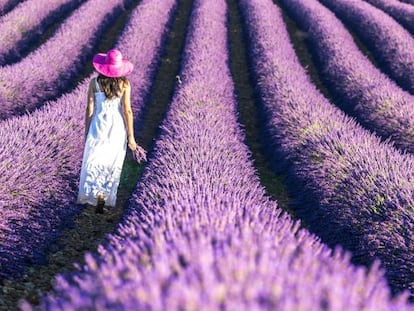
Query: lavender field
280	172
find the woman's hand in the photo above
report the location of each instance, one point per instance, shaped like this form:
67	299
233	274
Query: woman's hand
132	143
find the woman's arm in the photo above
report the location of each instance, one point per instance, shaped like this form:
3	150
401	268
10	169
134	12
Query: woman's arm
89	107
128	116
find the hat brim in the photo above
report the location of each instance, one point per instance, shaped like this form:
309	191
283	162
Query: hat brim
109	70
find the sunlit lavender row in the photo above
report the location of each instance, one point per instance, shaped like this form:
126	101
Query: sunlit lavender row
361	89
7	5
350	188
200	234
46	72
402	12
39	169
23	25
391	44
41	161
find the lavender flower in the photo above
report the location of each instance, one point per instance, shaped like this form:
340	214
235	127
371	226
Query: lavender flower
7	5
402	12
360	88
41	160
27	21
46	72
199	233
391	44
350	189
139	154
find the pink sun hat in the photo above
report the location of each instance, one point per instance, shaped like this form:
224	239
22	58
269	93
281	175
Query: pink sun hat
112	64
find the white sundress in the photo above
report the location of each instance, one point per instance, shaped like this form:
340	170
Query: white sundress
104	152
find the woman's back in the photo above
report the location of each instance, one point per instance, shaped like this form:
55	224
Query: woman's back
107	121
108	130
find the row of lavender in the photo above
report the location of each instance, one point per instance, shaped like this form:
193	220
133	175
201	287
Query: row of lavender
7	5
391	44
45	73
200	234
22	26
361	89
40	162
350	188
402	12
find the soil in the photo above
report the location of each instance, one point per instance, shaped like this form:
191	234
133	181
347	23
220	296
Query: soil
249	115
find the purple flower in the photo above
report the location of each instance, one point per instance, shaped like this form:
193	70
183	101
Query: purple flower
30	18
350	189
199	232
139	154
42	159
360	88
391	44
402	12
7	5
47	72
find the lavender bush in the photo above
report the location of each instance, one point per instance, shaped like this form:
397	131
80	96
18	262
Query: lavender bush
46	72
7	5
402	12
200	234
140	154
360	88
350	188
20	27
390	43
41	161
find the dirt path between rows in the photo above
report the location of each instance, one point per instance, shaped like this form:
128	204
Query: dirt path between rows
249	112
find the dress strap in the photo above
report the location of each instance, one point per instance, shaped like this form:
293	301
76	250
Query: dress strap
98	89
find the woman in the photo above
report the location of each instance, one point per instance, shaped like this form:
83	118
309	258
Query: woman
108	130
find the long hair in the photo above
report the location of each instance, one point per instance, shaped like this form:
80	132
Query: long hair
111	86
